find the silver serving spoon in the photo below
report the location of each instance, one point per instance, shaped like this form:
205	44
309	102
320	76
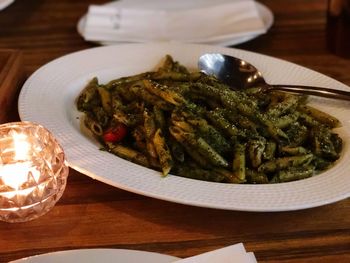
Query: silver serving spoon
239	74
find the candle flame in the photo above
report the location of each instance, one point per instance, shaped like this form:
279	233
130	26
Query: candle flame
21	146
16	173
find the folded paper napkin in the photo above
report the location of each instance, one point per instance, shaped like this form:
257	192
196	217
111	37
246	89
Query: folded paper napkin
5	3
231	254
201	24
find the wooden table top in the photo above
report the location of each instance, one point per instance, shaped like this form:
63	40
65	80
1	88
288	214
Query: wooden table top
95	215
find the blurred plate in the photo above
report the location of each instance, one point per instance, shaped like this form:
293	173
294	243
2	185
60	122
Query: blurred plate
264	12
99	255
48	97
5	3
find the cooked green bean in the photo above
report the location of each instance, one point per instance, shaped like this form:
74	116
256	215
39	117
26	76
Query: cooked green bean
207	132
288	103
178	134
322	142
293	174
297	134
285	162
106	99
320	116
126	80
169	64
177	150
229	176
159	118
255	177
128	154
163	92
308	120
286	120
150	130
288	150
149	98
200	174
220	122
270	150
192	125
256	149
93	125
239	162
206	150
130	120
175	76
163	152
88	98
101	116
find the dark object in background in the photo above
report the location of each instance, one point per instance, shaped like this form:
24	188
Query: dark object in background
338	27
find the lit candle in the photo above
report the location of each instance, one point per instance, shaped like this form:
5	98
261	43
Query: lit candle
33	172
16	173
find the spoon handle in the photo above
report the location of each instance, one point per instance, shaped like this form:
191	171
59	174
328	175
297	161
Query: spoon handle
317	91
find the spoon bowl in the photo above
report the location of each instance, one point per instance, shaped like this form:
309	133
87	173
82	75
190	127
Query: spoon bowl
240	74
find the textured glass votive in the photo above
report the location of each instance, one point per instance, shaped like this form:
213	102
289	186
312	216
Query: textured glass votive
33	171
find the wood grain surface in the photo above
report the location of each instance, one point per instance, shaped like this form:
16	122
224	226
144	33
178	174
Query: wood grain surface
10	80
94	215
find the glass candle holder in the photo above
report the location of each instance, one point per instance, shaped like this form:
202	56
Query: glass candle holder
33	171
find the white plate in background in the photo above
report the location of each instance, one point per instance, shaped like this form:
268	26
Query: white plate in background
48	97
99	256
264	12
5	3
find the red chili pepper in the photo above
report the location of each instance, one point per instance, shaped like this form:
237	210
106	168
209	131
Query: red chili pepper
115	133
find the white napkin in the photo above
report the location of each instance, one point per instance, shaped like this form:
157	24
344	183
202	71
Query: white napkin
231	254
202	24
5	3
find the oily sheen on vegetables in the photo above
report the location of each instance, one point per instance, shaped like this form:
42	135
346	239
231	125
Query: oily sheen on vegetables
191	125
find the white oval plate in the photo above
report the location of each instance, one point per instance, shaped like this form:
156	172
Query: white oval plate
264	12
99	255
48	97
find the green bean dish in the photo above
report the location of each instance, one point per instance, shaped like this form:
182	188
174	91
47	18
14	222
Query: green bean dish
191	125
